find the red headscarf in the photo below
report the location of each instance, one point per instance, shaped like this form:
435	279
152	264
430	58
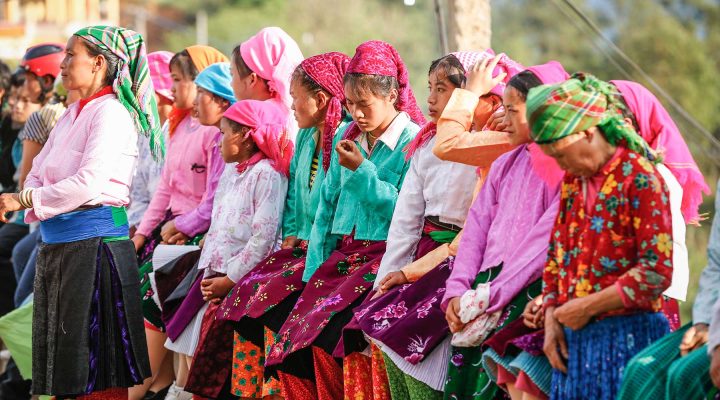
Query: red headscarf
327	70
659	130
267	128
376	57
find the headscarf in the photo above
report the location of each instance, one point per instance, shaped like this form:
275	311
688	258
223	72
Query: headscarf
376	57
558	111
267	128
273	55
468	59
327	70
159	63
550	73
216	80
132	85
201	57
659	130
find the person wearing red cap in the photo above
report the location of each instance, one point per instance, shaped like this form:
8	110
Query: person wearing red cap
42	65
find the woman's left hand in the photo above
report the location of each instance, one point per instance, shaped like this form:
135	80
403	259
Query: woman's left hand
574	314
349	156
8	203
168	231
215	289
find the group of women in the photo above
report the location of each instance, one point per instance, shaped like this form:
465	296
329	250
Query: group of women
331	242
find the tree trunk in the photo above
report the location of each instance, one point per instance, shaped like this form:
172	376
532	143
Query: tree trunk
468	24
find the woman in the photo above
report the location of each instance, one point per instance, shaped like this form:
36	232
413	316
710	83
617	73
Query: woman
93	340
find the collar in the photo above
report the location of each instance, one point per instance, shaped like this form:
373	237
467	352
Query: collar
392	134
102	92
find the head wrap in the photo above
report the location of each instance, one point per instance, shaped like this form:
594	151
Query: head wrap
59	88
159	63
659	130
273	55
550	73
327	70
205	56
376	57
558	111
132	85
267	128
216	80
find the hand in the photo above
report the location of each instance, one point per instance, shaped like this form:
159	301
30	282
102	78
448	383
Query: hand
533	315
8	203
555	347
496	122
451	315
168	231
290	242
139	241
694	337
201	243
715	367
574	314
480	80
133	229
349	156
215	289
178	239
391	280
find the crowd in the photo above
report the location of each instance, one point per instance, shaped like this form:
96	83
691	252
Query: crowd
268	226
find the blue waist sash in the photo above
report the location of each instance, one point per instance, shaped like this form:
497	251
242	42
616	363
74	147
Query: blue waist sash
106	222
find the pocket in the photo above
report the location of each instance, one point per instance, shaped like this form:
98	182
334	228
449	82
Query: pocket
389	176
199	178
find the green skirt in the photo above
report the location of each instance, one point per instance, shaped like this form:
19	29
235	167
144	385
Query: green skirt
467	379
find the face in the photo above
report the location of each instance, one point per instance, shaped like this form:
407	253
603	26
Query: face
308	107
183	88
24	106
208	108
32	83
78	69
515	119
13	95
440	91
582	156
370	112
233	143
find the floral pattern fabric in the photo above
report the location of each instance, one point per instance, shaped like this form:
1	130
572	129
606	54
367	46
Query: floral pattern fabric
624	238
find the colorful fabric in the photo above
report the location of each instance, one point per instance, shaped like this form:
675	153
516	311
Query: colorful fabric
205	56
375	57
582	102
16	334
216	79
248	369
105	222
273	55
313	171
552	72
132	84
507	65
625	239
159	64
660	372
267	129
328	70
38	126
365	378
109	394
607	345
659	130
328	375
403	386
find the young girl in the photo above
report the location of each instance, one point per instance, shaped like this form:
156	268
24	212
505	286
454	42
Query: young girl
358	198
262	300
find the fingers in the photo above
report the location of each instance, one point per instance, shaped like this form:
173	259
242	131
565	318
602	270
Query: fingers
494	62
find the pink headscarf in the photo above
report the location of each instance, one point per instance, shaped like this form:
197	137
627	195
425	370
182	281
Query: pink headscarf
159	64
327	70
273	55
376	57
550	73
267	128
659	130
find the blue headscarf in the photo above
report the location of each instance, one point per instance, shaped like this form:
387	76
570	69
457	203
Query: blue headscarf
216	79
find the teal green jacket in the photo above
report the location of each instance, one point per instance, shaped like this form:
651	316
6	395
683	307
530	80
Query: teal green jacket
362	200
302	200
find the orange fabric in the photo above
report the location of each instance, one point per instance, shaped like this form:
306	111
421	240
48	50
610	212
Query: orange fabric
248	368
296	388
328	375
365	377
109	394
204	56
175	118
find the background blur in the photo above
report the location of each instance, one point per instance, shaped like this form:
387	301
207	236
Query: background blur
676	42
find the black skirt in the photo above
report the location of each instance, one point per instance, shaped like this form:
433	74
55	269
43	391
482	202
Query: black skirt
88	331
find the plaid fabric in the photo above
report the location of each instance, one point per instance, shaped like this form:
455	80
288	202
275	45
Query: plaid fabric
557	111
159	64
132	85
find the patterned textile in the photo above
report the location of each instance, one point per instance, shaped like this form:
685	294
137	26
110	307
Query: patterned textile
159	64
109	394
507	65
364	378
625	239
328	70
248	369
375	57
403	386
557	111
267	129
132	85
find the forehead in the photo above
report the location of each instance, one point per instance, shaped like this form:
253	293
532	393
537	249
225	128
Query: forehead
357	94
511	97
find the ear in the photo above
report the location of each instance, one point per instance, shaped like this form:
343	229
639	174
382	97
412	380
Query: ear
98	63
322	99
393	96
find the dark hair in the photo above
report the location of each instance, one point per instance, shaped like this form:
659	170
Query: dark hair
523	82
378	85
242	67
234	125
112	61
302	78
4	80
185	64
451	67
17	78
626	113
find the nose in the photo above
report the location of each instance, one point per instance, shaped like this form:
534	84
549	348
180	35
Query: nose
357	113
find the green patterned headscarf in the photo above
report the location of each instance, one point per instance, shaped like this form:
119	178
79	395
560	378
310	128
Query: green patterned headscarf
132	84
581	102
